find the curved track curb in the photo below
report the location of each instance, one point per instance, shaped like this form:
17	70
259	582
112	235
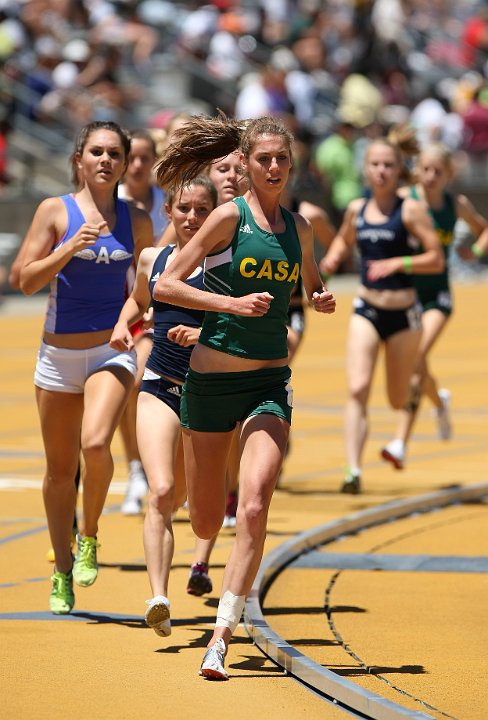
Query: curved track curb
299	665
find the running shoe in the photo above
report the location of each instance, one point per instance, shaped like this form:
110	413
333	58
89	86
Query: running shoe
351	484
230	510
85	566
136	490
131	506
212	666
199	581
157	615
62	599
394	453
444	428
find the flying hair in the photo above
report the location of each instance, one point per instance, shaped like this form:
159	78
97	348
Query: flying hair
202	141
194	145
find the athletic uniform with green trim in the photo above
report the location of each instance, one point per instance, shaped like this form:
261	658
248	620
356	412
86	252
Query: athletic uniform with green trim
434	290
255	261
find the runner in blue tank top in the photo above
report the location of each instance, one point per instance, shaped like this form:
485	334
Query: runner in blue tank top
386	307
176	329
434	171
254	251
82	245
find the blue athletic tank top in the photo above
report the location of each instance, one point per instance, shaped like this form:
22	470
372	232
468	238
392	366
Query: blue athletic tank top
380	241
88	293
168	358
157	214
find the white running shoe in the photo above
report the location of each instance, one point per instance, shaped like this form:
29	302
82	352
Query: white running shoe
131	506
212	666
229	521
444	428
394	453
231	510
157	615
136	490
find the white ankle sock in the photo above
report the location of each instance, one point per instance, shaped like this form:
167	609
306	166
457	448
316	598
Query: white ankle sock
397	447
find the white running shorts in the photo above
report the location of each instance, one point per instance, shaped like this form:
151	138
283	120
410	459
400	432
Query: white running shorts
62	370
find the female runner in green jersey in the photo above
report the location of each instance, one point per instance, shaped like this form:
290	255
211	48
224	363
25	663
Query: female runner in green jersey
254	251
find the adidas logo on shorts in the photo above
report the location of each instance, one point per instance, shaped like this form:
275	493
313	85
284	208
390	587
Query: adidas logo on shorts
175	390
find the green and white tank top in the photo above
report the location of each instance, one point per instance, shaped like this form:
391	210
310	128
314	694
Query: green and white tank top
255	261
444	220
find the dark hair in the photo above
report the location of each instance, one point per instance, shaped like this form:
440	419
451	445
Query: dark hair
202	140
200	180
82	139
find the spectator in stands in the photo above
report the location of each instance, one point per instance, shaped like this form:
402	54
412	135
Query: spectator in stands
474	37
4	131
111	28
428	117
39	79
475	131
475	121
335	158
263	94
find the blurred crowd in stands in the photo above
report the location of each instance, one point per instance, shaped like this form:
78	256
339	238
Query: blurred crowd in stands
330	67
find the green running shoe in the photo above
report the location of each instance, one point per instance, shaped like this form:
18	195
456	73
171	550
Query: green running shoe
351	484
85	566
62	599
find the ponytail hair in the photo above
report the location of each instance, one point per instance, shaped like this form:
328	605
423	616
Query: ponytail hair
194	145
403	139
202	141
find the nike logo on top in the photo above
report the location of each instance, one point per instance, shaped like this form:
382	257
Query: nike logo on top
246	229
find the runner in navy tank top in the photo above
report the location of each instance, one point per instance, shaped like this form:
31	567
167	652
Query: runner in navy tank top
82	245
385	308
176	330
138	188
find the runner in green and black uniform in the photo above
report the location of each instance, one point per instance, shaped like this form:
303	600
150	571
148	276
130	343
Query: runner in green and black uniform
254	251
434	171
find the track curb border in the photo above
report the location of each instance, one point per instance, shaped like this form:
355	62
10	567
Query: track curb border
292	660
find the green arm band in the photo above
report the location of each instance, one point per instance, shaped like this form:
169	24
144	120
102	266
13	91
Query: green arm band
407	263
